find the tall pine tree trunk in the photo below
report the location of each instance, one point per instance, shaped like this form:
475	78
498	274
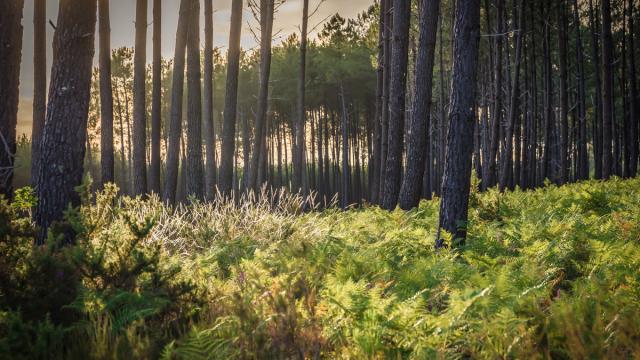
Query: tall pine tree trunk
231	100
457	176
298	156
208	123
564	93
419	138
106	96
64	140
10	58
195	173
156	100
177	92
139	101
607	94
39	82
398	86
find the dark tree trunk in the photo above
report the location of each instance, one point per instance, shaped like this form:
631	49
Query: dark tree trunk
139	102
607	95
266	25
633	93
583	156
345	152
10	58
194	110
231	100
106	96
208	124
156	100
64	139
400	57
386	87
419	138
564	93
496	114
298	156
177	92
548	98
374	166
457	175
39	83
597	134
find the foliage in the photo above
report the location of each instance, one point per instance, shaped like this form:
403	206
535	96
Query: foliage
551	273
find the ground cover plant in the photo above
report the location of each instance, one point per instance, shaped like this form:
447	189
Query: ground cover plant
551	273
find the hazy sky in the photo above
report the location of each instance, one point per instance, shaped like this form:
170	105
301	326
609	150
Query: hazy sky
287	20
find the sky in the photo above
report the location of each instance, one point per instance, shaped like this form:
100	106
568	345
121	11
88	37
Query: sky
287	21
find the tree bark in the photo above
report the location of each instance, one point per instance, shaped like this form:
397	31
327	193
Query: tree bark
298	156
139	101
607	94
419	138
633	93
39	82
400	57
266	25
194	111
386	86
10	58
564	94
177	92
64	139
156	100
231	100
457	177
106	96
209	127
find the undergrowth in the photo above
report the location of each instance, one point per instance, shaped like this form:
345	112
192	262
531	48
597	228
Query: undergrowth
551	273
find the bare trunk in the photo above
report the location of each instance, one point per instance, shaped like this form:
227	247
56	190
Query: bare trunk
39	83
139	101
156	100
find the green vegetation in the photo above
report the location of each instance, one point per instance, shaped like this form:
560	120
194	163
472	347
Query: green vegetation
551	273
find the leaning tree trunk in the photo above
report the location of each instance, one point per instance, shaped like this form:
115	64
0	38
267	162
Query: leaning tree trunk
106	96
177	92
457	174
39	82
607	94
399	61
139	101
266	25
156	100
64	139
231	100
419	139
10	57
209	127
194	111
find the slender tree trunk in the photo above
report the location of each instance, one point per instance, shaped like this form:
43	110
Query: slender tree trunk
386	87
345	152
393	169
231	100
564	93
607	95
156	100
177	92
10	58
266	25
298	155
374	166
64	142
597	134
106	96
457	176
548	98
208	124
583	157
633	93
496	115
139	101
419	138
39	82
195	173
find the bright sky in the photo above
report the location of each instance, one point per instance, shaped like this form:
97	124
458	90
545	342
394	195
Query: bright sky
287	21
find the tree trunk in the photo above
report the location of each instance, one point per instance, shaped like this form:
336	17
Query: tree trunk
10	58
266	26
298	155
106	96
457	175
400	57
496	114
633	93
607	95
177	92
139	102
231	100
156	100
419	138
564	93
194	111
386	86
208	124
583	157
39	83
64	139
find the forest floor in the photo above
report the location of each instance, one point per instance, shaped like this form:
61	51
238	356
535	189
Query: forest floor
551	273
